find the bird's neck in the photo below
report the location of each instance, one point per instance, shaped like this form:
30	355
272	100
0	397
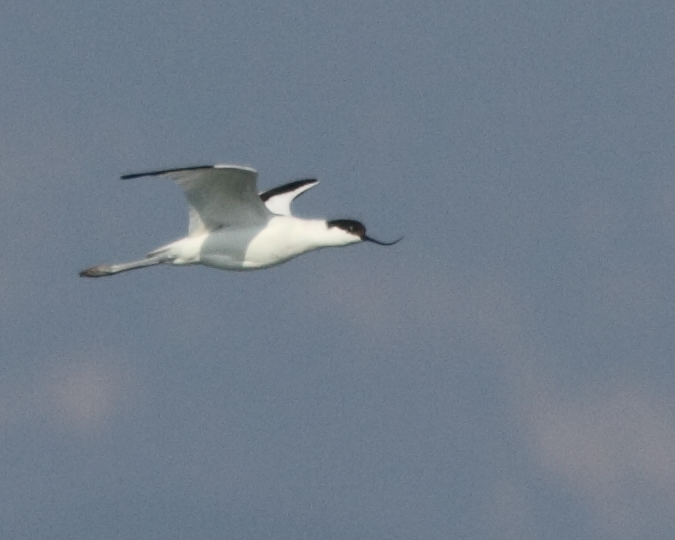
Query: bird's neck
312	233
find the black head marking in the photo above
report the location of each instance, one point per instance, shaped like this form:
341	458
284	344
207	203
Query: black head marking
349	225
357	228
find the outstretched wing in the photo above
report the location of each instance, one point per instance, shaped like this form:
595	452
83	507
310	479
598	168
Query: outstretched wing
220	196
279	199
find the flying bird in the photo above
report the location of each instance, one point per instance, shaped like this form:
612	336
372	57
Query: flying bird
233	227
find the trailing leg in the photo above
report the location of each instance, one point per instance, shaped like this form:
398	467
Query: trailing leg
103	270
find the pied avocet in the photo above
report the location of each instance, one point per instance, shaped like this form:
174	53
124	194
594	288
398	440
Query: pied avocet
233	227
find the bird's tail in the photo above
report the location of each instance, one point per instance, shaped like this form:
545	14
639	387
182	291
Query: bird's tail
112	269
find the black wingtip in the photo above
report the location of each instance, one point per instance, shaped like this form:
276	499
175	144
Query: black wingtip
291	186
164	171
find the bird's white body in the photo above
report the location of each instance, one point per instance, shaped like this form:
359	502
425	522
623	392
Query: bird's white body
232	227
283	238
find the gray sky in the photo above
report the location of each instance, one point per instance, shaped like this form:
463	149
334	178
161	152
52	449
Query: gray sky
505	372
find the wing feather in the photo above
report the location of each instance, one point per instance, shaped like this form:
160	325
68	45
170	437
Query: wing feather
278	200
220	196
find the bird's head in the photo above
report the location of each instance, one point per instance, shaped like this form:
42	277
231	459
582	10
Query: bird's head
349	231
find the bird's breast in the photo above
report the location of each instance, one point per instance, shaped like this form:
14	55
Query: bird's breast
284	237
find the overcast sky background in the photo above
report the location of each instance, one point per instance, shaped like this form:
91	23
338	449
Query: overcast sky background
504	372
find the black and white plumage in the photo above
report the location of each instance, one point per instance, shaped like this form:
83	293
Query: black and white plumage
233	227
